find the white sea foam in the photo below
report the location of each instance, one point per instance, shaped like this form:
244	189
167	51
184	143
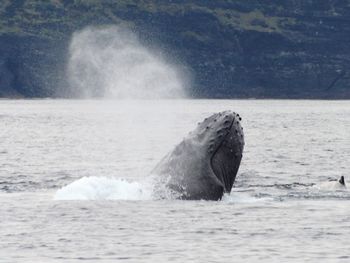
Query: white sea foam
104	188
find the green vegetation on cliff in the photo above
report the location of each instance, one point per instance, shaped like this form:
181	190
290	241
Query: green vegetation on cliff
281	49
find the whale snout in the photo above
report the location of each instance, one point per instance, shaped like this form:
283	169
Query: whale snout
225	146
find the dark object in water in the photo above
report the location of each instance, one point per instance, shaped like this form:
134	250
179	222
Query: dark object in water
205	164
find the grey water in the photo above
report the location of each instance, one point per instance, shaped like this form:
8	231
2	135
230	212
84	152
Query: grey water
73	172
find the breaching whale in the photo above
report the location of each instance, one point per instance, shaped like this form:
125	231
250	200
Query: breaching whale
205	164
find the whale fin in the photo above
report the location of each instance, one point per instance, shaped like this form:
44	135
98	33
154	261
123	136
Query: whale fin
341	180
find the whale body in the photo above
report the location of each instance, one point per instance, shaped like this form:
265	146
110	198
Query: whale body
204	165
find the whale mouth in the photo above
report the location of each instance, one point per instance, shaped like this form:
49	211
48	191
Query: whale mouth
226	160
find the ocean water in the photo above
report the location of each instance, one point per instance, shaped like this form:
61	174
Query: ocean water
75	183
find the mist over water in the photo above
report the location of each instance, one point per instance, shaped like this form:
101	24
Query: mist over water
110	62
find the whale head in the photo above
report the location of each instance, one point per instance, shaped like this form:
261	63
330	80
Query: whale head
205	164
222	136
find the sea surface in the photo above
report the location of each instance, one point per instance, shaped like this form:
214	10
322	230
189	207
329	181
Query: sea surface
75	183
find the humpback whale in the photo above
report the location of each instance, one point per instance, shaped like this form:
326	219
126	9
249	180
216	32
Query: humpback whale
204	164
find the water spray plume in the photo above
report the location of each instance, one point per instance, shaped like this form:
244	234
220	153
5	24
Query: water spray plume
111	62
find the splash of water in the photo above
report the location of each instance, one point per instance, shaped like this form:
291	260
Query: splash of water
109	188
104	188
111	62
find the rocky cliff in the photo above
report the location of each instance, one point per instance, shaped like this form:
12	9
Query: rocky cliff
235	49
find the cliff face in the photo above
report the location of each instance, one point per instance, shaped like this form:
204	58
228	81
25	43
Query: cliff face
260	49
